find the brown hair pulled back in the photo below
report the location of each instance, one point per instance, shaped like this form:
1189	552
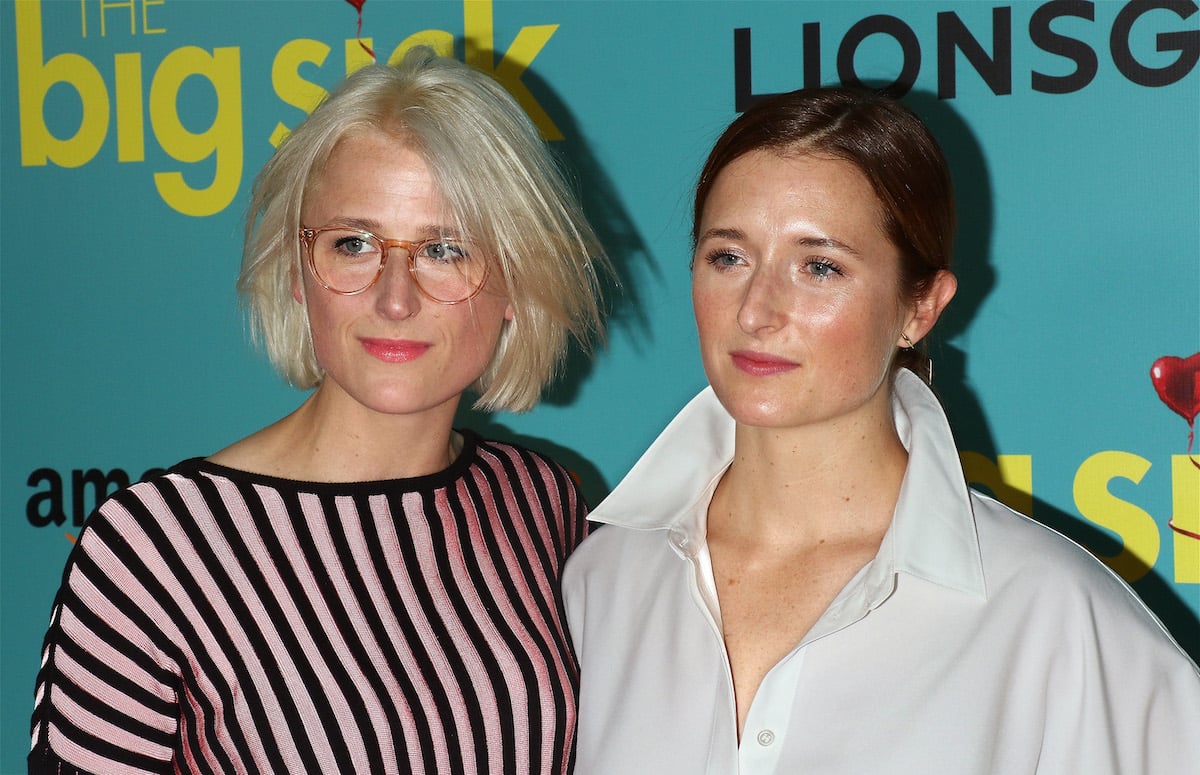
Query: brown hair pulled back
888	144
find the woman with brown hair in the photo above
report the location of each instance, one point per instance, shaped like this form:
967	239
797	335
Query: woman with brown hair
795	576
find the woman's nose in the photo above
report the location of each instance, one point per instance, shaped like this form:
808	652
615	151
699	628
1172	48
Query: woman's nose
397	295
762	304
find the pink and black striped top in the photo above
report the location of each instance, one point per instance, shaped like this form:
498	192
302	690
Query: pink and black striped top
214	621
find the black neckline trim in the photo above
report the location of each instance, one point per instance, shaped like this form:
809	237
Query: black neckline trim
456	470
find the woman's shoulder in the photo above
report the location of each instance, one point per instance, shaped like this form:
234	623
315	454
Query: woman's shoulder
1016	546
1057	581
148	491
623	560
131	519
515	457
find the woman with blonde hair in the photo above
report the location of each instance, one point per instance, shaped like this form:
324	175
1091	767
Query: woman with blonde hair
357	587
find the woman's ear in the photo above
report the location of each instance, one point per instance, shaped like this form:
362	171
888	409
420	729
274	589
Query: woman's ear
929	306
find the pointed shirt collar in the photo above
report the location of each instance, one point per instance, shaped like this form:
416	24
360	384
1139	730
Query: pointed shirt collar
932	535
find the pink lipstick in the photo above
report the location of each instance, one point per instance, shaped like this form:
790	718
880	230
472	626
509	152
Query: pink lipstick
394	350
761	364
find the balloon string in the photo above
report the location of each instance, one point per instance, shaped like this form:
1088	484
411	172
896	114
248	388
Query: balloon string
1182	531
1191	457
1191	438
358	33
365	47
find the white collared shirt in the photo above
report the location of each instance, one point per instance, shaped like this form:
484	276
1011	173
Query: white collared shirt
976	640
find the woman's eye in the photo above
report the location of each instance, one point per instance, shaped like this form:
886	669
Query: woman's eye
444	251
353	246
723	259
822	269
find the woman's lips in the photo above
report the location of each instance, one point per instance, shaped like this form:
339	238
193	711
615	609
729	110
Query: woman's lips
761	364
394	350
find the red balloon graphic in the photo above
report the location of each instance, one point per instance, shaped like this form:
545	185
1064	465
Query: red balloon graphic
1177	381
357	4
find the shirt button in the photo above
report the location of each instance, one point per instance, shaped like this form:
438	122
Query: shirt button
682	542
766	737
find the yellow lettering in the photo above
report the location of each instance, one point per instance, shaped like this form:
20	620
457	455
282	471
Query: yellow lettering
289	86
479	38
106	4
1010	478
356	56
529	41
222	139
1136	528
479	53
146	28
1185	489
131	121
34	79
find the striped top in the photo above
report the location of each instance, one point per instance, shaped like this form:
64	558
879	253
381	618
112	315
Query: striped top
215	621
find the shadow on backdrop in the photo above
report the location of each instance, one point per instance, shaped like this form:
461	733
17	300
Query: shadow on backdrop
625	248
976	278
972	266
622	242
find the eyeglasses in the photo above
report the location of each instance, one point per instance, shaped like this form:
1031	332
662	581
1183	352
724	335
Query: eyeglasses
349	261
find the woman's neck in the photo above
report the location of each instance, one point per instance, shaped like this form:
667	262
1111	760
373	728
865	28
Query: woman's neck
330	439
809	485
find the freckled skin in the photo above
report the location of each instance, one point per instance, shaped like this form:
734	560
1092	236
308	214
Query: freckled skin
792	263
796	290
372	179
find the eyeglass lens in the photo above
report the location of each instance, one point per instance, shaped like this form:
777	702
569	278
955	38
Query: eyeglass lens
348	260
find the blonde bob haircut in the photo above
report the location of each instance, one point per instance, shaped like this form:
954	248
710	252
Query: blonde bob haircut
504	191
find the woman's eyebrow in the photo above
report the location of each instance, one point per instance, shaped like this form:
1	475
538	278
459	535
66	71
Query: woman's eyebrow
723	233
804	241
427	231
826	242
365	224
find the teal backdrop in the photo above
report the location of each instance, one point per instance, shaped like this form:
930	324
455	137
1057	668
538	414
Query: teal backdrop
130	133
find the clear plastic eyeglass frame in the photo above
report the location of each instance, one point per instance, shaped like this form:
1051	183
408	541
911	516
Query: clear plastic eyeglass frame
308	237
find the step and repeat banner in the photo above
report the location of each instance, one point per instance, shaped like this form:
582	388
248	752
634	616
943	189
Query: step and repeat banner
132	129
